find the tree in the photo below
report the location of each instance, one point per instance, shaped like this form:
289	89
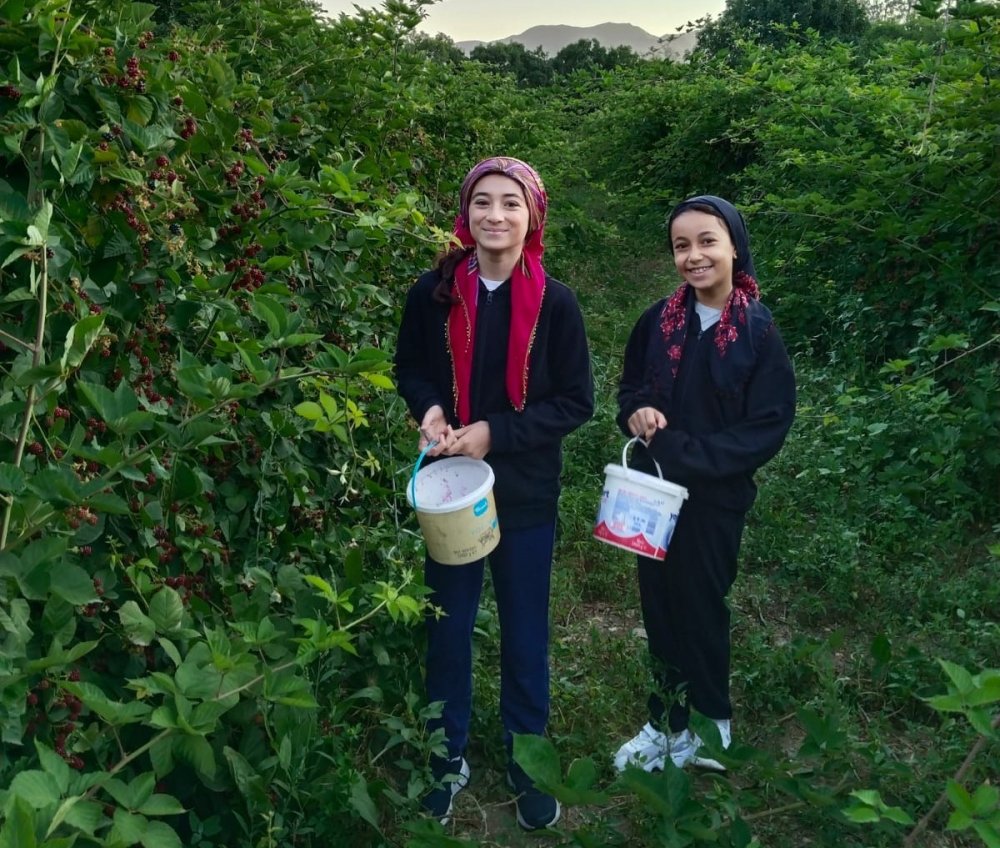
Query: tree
439	48
590	54
770	21
530	68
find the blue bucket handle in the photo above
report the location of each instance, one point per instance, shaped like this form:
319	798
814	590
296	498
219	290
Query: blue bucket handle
416	467
629	444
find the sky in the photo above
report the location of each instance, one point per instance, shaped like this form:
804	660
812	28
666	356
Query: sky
488	20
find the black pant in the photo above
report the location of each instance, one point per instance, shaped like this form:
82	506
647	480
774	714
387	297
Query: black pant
686	616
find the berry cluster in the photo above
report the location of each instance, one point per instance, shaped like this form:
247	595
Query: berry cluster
234	173
244	140
192	584
11	92
145	39
250	210
122	202
94	426
190	127
168	550
251	279
61	728
77	515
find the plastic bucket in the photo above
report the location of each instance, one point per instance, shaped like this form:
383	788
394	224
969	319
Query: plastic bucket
638	511
453	499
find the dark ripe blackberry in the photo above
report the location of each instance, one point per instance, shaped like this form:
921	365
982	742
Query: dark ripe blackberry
175	229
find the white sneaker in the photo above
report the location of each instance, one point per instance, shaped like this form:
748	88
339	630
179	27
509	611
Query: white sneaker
726	736
646	750
650	748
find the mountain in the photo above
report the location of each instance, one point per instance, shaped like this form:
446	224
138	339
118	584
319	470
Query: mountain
554	38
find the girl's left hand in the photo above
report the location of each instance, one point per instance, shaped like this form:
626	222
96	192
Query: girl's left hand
473	441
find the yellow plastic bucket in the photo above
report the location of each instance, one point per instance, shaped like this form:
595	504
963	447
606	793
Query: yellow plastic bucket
457	514
638	511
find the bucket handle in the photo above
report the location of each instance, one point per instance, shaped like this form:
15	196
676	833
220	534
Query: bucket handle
416	467
629	444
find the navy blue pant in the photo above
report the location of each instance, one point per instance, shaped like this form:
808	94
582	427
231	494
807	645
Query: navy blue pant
520	566
686	616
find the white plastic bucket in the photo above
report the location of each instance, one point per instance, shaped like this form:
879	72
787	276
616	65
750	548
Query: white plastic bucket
455	508
638	511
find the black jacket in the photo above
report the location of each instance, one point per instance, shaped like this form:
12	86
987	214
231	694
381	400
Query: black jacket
526	447
716	437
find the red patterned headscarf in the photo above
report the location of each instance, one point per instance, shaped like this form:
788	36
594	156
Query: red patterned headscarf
527	287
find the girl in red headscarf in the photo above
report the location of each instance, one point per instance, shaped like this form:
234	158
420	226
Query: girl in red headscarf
492	361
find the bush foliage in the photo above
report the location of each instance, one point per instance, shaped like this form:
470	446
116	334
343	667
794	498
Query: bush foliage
207	585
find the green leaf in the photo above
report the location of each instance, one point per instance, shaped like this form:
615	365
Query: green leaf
862	815
186	484
310	410
140	628
80	340
166	610
72	584
278	263
380	381
362	803
107	404
273	314
12	480
354	566
961	678
84	815
58	485
162	805
54	765
128	827
140	110
13	204
197	752
19	828
37	788
959	797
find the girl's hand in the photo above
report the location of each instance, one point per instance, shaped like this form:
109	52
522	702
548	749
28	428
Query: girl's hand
435	427
473	441
645	421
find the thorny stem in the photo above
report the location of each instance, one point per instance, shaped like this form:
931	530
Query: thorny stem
36	357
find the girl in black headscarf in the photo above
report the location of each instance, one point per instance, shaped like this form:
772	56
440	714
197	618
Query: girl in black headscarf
707	384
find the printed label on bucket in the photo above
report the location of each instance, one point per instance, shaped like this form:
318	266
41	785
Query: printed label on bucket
634	520
481	507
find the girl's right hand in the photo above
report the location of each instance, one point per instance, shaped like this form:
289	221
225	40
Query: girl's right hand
645	421
435	427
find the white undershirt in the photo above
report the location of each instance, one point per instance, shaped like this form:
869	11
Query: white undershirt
491	285
709	315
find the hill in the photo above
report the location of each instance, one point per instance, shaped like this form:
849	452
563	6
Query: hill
553	38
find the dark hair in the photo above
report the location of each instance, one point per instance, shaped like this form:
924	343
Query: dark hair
446	263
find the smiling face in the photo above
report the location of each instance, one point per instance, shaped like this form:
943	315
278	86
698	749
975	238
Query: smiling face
498	217
704	254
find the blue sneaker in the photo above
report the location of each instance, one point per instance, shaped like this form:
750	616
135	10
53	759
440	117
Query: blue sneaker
535	809
450	778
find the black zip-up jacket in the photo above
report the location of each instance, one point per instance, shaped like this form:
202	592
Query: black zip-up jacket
526	447
715	439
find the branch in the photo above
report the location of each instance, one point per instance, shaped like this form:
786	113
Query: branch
14	340
921	825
